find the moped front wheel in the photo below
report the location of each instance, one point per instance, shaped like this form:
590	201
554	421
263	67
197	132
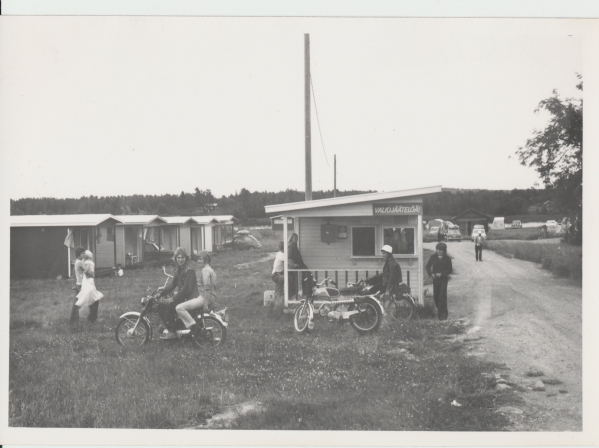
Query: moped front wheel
212	335
126	335
369	317
301	318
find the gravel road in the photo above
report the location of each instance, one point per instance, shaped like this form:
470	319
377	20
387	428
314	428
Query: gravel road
528	320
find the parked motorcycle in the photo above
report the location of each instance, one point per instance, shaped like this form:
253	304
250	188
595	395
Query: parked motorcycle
364	312
400	305
135	328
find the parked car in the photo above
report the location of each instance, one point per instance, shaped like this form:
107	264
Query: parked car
153	252
478	229
454	234
516	224
551	222
243	241
433	230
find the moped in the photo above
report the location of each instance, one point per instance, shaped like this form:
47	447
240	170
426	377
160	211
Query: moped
135	328
364	312
400	304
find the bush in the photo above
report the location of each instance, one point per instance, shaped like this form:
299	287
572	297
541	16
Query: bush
561	259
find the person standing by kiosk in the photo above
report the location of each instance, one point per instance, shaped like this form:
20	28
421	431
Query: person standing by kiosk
391	271
439	267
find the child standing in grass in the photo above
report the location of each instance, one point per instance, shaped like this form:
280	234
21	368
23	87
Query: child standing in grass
89	295
439	267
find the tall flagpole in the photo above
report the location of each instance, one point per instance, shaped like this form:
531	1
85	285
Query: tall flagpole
307	117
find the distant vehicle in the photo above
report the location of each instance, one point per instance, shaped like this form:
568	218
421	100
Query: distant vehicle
454	234
478	229
243	241
243	232
153	252
551	222
516	224
433	230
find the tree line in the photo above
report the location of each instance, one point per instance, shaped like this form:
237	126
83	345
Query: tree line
246	205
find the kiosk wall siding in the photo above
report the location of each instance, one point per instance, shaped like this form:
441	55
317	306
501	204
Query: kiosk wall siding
317	254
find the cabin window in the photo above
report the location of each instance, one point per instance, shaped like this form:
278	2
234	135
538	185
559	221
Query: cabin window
109	233
363	241
401	239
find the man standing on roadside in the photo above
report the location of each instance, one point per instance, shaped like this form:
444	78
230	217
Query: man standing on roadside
478	247
278	276
79	270
439	267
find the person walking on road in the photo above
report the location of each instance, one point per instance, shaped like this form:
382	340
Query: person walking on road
439	267
478	247
278	276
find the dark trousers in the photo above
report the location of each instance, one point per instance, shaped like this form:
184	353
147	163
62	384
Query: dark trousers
167	315
75	309
279	279
440	296
93	311
478	251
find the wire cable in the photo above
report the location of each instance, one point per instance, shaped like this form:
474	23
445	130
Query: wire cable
318	121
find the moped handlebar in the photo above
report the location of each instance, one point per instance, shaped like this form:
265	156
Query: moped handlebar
166	273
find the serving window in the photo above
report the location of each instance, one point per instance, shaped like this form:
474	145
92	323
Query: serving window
363	241
401	239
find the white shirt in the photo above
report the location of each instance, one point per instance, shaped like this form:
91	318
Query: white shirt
279	265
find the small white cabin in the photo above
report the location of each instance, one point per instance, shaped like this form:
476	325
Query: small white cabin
342	237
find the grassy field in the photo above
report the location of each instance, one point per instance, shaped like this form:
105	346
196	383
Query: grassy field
562	260
405	377
525	233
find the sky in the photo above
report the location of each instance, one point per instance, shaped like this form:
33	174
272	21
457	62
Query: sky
110	106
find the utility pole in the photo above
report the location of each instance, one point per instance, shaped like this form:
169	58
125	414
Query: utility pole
335	176
307	117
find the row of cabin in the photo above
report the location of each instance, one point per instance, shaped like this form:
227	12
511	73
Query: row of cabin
43	246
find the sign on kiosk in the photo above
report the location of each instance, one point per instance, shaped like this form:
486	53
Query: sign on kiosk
397	209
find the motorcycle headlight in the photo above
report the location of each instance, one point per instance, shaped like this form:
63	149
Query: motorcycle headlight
144	300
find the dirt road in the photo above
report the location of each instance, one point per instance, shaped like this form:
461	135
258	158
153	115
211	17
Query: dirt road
528	320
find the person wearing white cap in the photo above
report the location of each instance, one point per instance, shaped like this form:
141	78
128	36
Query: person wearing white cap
391	271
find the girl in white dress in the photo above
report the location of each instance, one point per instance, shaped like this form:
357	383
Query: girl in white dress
89	295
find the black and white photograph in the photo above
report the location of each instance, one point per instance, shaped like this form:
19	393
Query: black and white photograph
278	226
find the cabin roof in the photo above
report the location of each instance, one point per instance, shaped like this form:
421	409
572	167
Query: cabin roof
137	219
176	219
204	219
354	199
90	220
225	218
471	214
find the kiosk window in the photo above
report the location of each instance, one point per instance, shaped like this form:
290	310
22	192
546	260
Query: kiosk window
400	239
363	241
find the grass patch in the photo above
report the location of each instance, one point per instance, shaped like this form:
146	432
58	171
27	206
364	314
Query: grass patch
525	233
552	381
561	259
402	378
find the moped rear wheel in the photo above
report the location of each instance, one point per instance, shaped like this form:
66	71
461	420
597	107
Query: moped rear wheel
401	308
301	318
212	335
369	318
125	335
